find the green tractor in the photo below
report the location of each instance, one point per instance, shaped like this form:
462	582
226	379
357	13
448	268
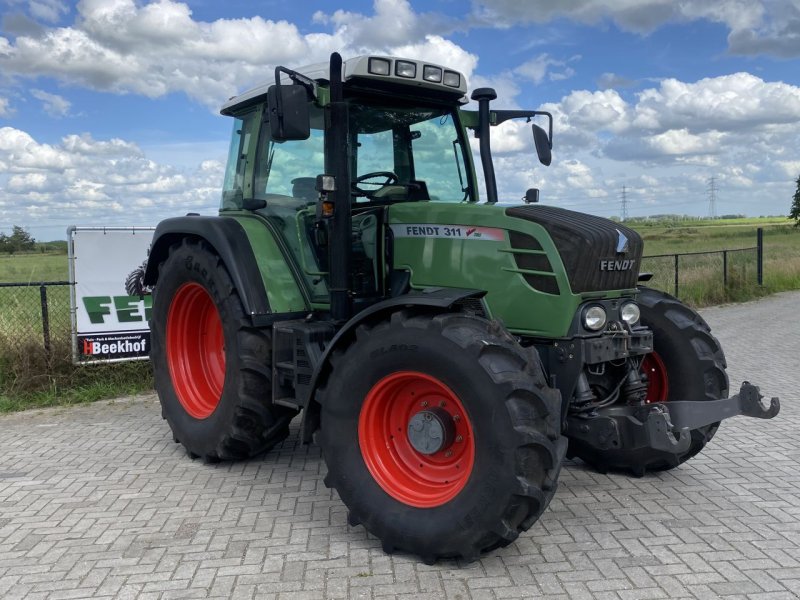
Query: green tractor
446	353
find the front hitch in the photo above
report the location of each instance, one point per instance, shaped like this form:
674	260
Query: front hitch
693	414
664	426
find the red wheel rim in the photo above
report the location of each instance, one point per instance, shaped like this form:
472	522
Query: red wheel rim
416	479
657	382
195	350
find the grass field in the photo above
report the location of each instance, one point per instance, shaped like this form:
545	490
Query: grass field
701	276
18	268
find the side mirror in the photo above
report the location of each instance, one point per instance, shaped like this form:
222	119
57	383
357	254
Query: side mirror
543	145
288	112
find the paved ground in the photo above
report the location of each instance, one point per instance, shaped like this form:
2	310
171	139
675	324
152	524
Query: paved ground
97	501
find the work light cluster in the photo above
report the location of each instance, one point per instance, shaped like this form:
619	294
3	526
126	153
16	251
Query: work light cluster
408	70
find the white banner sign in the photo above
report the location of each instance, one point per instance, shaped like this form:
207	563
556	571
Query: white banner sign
110	304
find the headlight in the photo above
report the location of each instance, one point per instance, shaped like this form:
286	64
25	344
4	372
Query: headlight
594	318
630	313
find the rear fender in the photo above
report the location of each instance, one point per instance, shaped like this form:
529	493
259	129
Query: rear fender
229	240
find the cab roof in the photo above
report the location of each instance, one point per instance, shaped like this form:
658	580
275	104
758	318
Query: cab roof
422	75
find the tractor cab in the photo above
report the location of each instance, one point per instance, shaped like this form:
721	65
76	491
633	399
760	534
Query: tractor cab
400	136
404	139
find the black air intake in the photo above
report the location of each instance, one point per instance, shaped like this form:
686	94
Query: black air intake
584	243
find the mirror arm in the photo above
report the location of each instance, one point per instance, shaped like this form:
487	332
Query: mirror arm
297	78
501	116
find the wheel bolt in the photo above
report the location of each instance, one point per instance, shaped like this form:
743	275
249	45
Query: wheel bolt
456	417
442	403
449	453
459	438
424	403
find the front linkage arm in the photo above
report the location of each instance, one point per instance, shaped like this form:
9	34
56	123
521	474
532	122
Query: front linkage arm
665	426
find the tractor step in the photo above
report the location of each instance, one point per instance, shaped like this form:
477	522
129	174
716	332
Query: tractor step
297	347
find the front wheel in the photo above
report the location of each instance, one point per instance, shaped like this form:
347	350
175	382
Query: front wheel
440	435
212	371
687	363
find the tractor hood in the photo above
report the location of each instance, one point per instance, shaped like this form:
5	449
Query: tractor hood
597	253
522	256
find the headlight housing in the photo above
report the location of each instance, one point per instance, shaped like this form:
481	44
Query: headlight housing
630	313
595	317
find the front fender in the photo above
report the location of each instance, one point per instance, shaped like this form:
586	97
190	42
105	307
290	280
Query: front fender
431	298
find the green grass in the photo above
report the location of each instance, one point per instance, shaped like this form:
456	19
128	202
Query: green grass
35	266
29	378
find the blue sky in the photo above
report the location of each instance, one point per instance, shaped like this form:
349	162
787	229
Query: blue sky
108	108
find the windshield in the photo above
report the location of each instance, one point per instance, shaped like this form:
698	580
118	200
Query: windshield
407	154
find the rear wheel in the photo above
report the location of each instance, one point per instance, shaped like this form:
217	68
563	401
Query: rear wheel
687	364
458	436
212	371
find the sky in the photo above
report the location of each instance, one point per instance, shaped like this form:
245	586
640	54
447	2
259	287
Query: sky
109	109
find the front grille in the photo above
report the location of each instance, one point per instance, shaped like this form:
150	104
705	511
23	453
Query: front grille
583	241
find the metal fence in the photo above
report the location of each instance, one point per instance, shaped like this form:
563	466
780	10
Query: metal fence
34	314
714	272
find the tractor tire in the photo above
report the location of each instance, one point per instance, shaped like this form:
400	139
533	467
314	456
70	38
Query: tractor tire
687	364
500	469
212	370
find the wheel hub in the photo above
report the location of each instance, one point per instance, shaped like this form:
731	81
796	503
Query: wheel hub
431	430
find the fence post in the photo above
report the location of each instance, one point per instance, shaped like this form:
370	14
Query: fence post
676	274
725	268
760	254
45	319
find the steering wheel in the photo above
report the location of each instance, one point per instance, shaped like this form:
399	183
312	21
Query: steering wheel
388	177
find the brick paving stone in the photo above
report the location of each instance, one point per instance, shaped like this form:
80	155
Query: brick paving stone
97	501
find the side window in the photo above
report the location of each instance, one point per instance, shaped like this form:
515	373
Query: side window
241	138
290	168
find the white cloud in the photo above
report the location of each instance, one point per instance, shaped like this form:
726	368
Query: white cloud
439	50
537	68
393	24
732	102
53	104
5	107
614	81
44	10
755	26
83	180
679	119
790	167
157	48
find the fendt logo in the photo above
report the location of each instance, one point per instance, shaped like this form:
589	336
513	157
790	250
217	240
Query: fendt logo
127	309
622	242
617	265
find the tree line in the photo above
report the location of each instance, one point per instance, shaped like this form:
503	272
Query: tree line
18	241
